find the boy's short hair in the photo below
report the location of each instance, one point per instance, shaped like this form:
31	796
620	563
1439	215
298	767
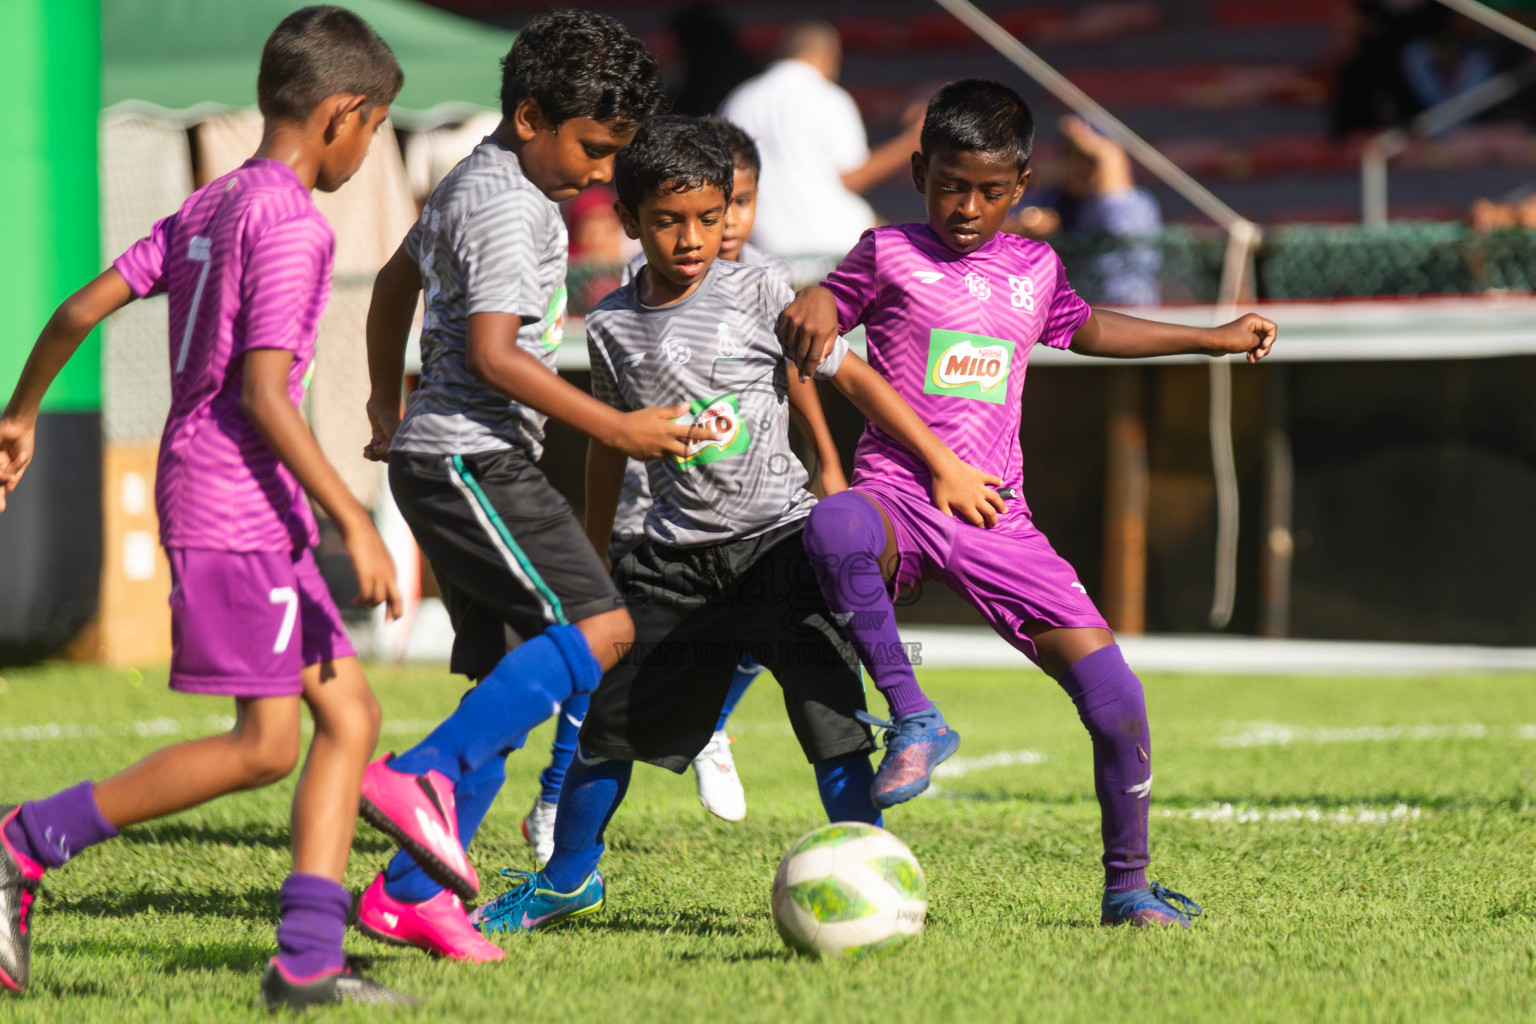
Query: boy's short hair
672	153
321	51
976	115
581	64
743	146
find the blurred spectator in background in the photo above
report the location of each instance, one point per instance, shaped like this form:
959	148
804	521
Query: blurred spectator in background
1096	199
712	58
599	248
1517	210
1450	55
816	157
1370	87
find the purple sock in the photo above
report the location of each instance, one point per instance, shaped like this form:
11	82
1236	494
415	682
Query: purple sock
315	912
844	538
54	829
1111	704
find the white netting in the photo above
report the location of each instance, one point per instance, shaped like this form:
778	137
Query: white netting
146	171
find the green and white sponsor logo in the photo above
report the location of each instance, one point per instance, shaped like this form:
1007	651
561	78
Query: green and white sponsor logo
723	415
554	334
968	366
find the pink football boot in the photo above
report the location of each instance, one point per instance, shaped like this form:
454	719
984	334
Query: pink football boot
439	926
417	811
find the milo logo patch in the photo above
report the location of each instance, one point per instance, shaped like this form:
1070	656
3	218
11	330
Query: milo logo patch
968	366
722	415
554	334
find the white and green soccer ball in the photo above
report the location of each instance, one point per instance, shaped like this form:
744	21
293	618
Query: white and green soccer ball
848	889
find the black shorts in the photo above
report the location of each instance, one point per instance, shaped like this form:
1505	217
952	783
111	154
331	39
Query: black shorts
696	611
509	556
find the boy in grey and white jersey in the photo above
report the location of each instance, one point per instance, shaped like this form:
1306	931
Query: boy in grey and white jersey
716	350
488	241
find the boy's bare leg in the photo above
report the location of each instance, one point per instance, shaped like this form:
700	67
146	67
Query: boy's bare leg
609	635
262	748
347	720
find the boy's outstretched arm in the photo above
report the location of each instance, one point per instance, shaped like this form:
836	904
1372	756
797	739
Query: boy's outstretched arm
957	486
1120	336
75	318
805	406
390	312
493	356
264	401
605	484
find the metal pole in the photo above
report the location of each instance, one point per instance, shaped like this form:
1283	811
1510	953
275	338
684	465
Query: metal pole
1279	546
1373	184
1500	23
1174	176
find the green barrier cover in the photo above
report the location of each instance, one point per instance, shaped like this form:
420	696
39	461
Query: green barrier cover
50	77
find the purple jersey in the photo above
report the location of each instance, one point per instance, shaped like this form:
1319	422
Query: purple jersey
246	263
952	334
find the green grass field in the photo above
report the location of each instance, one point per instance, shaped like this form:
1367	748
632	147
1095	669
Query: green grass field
1363	849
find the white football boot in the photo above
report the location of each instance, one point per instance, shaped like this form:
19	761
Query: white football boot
539	830
719	786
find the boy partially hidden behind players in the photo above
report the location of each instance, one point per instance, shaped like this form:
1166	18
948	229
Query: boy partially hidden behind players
952	308
721	570
246	263
514	567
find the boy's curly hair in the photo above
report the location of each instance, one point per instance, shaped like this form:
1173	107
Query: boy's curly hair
581	64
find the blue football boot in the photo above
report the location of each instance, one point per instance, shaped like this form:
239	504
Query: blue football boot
531	904
1150	907
914	746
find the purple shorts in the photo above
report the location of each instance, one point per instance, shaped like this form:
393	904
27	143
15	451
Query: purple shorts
246	624
1010	573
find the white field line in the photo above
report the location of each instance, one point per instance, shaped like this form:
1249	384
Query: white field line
959	767
1273	734
152	727
1243	815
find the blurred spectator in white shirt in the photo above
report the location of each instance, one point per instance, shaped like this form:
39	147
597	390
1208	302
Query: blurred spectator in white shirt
816	157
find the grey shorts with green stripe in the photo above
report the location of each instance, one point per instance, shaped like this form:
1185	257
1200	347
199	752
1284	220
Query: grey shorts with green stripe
509	556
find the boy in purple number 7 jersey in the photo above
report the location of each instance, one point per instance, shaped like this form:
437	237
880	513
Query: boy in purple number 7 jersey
246	263
951	308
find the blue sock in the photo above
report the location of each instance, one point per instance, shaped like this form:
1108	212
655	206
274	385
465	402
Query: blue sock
746	672
592	792
472	797
567	727
844	784
519	693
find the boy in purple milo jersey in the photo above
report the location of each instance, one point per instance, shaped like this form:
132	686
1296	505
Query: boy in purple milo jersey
951	309
246	263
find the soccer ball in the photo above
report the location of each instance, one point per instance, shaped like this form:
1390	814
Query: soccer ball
848	889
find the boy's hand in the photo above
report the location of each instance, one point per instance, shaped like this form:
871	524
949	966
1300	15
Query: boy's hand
652	433
384	418
961	489
1249	333
17	436
808	329
375	569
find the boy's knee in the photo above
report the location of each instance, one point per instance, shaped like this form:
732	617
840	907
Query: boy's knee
609	636
356	723
269	758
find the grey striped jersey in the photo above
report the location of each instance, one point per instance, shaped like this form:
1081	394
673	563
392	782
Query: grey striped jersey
487	241
718	351
635	501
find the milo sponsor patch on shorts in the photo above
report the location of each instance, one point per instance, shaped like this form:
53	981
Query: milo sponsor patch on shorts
723	415
968	366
